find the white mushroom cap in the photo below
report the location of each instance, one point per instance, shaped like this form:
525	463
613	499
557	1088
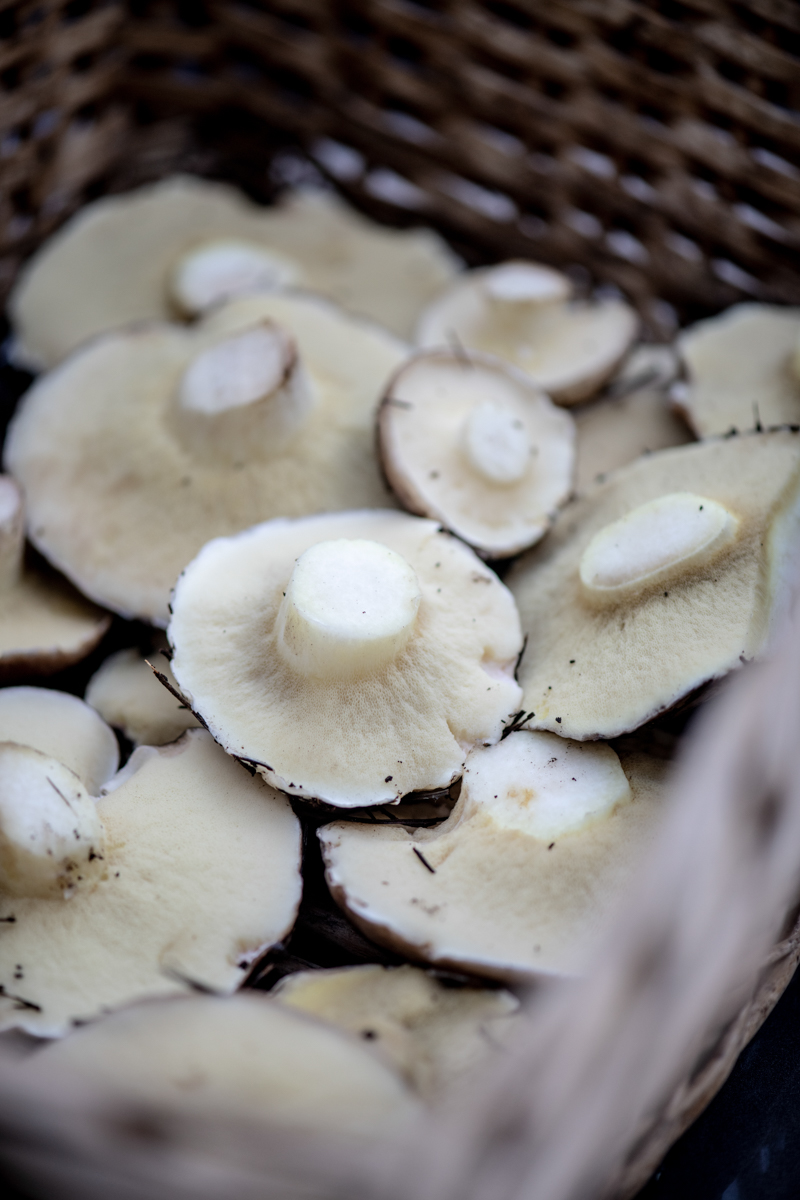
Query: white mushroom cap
44	624
127	694
522	876
475	445
636	420
62	727
264	624
662	578
741	371
433	1034
125	483
519	312
201	874
243	1055
51	838
129	258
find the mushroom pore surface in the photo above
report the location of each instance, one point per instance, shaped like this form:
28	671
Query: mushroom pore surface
345	670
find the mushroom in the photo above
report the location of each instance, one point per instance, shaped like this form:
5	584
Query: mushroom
475	445
521	878
184	244
663	578
742	370
44	625
147	443
634	419
62	727
522	312
242	1055
348	657
126	693
196	871
433	1034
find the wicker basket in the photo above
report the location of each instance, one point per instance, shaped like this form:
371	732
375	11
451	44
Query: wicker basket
648	145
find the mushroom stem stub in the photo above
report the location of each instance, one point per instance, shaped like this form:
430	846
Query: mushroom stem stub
666	537
51	836
244	395
221	268
525	283
12	532
496	444
349	608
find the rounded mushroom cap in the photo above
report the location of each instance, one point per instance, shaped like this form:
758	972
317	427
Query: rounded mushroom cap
740	370
131	254
662	578
467	441
202	863
635	420
244	1055
51	837
522	876
433	1034
63	727
569	349
127	694
124	485
437	682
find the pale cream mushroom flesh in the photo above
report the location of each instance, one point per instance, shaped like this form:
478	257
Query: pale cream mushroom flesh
521	878
434	1034
127	693
522	313
635	419
668	575
146	444
475	445
349	657
62	727
184	244
742	370
245	1056
45	625
199	873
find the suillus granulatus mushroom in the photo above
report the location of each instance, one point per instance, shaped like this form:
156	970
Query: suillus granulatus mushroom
191	869
432	1033
742	370
473	444
176	247
243	1055
521	877
636	418
62	727
148	442
128	695
44	624
522	313
349	657
657	581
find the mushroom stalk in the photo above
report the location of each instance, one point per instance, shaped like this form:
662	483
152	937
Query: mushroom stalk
496	444
349	608
221	268
246	395
12	533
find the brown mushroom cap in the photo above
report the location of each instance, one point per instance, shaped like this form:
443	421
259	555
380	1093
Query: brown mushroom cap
694	598
473	444
243	1055
433	1034
522	876
121	497
569	348
350	657
63	727
201	874
114	262
741	370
